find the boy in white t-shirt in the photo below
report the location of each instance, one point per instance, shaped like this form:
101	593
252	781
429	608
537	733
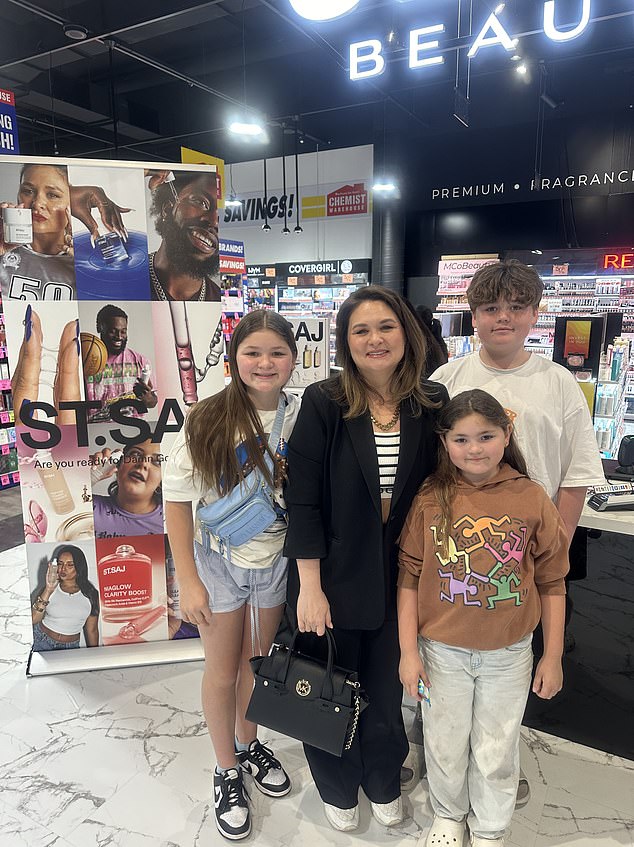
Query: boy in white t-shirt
551	418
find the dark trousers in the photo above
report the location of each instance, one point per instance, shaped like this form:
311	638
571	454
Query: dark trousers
380	744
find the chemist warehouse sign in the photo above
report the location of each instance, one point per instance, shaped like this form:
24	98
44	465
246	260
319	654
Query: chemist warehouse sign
367	57
326	201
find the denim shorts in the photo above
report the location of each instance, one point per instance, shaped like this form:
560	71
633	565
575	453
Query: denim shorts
230	587
42	641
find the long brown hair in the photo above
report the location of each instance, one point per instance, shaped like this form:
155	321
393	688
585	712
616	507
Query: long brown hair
444	481
352	390
212	424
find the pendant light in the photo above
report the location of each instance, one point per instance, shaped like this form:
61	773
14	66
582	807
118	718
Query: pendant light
298	228
285	229
233	201
265	225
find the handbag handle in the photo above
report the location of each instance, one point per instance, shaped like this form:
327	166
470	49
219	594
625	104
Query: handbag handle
326	688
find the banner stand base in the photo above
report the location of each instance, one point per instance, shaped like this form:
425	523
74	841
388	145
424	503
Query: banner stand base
108	658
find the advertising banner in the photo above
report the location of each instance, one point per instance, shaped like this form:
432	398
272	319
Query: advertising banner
313	352
329	212
232	257
110	287
8	123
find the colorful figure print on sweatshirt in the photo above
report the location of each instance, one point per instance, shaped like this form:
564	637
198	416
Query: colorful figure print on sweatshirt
507	547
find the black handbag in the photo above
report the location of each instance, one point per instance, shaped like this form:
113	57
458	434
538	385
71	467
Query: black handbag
314	701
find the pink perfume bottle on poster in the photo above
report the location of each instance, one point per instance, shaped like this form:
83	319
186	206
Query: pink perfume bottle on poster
184	355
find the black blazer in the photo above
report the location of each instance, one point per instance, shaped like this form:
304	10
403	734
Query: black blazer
334	503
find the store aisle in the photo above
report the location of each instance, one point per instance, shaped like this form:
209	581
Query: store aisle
120	758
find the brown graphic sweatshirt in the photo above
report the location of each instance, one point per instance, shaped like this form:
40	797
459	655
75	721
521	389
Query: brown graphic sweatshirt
508	546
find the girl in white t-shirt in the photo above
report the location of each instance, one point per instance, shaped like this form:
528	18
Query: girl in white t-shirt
237	603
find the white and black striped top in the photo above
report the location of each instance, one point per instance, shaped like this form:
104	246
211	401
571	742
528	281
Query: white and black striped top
387	448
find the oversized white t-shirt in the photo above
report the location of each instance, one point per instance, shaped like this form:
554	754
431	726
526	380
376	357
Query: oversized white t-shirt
181	484
551	416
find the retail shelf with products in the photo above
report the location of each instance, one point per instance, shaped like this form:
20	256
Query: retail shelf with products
576	282
311	288
611	402
9	475
317	301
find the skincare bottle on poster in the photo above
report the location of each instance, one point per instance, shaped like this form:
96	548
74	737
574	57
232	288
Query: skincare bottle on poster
125	583
17	226
307	357
317	358
54	482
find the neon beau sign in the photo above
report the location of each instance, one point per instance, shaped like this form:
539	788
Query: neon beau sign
367	59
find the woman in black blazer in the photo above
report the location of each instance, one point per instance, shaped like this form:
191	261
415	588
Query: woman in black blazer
362	445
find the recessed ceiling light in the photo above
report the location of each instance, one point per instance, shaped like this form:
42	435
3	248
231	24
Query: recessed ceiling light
76	32
516	58
521	69
537	252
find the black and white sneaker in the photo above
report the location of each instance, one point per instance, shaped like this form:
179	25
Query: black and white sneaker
231	805
269	775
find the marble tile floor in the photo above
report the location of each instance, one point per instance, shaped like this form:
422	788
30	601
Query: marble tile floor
120	758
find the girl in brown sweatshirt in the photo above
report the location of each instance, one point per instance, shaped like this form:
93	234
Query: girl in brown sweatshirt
482	559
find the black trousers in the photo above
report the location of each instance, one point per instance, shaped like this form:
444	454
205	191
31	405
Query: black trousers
380	744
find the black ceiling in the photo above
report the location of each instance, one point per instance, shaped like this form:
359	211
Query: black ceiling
171	72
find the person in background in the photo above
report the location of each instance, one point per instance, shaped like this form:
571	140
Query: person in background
65	603
126	373
483	556
364	442
550	414
437	354
237	604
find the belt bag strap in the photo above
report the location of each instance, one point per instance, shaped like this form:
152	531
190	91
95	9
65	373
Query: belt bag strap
276	432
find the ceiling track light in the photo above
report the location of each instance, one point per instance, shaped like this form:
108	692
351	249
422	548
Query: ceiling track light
76	32
384	186
247	125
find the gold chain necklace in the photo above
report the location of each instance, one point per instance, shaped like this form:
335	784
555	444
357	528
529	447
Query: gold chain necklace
160	291
386	427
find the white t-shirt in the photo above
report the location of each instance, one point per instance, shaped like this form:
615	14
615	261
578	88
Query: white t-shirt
182	484
551	416
67	613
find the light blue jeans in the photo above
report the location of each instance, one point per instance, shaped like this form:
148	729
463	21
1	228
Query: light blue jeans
472	731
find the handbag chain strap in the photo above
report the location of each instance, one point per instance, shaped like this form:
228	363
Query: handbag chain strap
355	721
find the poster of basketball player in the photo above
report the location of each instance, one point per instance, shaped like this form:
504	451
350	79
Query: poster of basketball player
118	349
